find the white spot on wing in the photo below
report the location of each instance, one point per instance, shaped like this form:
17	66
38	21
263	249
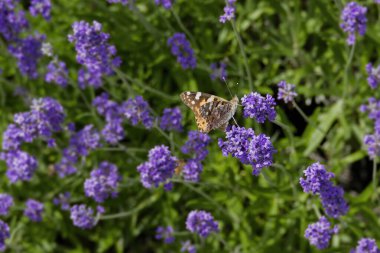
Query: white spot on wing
210	99
198	95
188	93
193	102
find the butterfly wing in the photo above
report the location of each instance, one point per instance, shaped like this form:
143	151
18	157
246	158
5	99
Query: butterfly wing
218	112
211	112
195	100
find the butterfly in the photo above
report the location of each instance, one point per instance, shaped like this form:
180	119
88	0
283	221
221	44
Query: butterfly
211	112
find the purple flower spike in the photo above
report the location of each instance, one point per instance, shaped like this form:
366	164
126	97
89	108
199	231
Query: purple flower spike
201	222
165	233
34	210
229	12
159	168
63	200
373	145
123	2
188	247
196	145
353	21
103	182
93	52
42	7
218	71
366	245
181	48
21	165
319	234
27	52
167	4
57	73
373	75
12	22
286	91
6	202
243	144
4	234
333	201
316	178
192	170
137	110
171	119
82	216
259	107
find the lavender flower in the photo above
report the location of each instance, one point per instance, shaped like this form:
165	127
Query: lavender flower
113	132
196	145
188	247
229	11
65	167
201	222
165	233
333	201
93	52
181	48
21	165
107	108
4	234
82	216
57	73
45	117
171	119
373	75
123	2
6	202
85	140
318	182
167	4
377	1
316	178
366	245
260	153
259	107
103	182
34	210
373	108
27	52
250	149
12	22
373	145
320	233
218	70
286	91
42	7
63	200
192	170
137	110
353	21
159	168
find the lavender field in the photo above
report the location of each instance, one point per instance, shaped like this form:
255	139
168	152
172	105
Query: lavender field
189	126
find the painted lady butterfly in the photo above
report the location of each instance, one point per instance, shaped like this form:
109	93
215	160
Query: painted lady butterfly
211	112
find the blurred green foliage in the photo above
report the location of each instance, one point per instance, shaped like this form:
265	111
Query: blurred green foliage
298	41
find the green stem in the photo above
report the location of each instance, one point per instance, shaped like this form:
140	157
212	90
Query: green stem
305	117
143	205
242	50
183	27
145	23
316	211
374	177
346	68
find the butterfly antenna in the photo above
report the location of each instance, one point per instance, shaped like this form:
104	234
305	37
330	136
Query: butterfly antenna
228	88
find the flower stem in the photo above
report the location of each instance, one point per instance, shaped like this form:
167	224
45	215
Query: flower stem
305	117
374	177
346	68
242	50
